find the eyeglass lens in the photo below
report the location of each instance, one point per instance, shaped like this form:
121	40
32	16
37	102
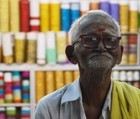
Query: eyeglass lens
92	42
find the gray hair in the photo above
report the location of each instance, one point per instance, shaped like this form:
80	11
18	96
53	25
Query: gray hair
93	16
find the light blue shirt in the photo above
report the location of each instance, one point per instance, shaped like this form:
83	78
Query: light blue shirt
66	103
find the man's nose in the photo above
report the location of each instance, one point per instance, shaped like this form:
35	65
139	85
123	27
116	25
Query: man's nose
100	46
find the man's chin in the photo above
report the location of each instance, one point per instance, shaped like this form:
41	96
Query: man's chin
100	67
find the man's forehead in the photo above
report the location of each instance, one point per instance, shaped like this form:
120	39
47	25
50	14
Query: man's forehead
106	28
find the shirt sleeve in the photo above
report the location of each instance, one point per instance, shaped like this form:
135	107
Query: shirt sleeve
42	111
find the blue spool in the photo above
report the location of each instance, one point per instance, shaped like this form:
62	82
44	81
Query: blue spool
65	19
75	11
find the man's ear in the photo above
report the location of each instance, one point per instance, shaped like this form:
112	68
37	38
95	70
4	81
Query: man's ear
70	54
120	55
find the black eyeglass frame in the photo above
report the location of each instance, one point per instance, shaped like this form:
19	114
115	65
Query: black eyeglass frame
98	37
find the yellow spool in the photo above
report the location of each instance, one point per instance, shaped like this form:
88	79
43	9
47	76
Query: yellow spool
14	16
19	51
0	47
133	21
40	87
132	59
49	82
4	16
124	59
61	42
68	77
59	79
8	59
55	16
124	23
44	17
19	48
75	75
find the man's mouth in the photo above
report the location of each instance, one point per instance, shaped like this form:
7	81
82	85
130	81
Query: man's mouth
100	55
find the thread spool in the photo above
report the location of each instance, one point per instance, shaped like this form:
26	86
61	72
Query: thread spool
41	47
7	48
49	81
61	40
51	48
55	13
44	15
19	47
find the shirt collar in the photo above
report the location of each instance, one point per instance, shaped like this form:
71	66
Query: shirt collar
107	103
73	92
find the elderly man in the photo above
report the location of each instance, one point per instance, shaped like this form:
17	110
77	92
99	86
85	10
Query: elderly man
94	95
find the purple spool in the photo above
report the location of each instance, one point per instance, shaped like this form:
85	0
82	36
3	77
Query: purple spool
114	11
105	6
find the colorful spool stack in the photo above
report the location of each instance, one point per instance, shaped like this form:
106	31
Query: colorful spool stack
2	113
11	112
47	82
25	87
8	87
45	15
16	87
132	57
1	88
25	113
131	77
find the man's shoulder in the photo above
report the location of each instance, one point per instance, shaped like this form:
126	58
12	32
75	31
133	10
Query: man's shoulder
127	87
54	96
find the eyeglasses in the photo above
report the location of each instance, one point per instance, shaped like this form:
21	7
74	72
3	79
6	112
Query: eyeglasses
91	41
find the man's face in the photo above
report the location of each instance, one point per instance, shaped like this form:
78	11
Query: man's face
99	57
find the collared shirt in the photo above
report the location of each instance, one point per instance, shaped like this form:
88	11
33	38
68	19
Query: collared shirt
66	103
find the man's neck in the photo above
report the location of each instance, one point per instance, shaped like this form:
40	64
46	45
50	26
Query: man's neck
94	91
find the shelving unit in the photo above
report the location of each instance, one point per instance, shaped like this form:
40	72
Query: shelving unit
34	67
